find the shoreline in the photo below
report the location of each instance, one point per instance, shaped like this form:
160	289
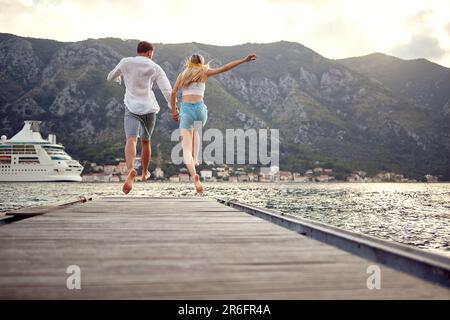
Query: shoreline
232	182
274	182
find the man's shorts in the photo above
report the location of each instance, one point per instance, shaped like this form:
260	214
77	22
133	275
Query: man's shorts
137	125
192	112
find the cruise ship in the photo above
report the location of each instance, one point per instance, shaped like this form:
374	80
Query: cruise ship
28	157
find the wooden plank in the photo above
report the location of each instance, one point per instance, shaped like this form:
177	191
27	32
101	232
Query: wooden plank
425	265
35	211
184	248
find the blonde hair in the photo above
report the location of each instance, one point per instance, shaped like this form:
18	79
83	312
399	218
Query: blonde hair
195	71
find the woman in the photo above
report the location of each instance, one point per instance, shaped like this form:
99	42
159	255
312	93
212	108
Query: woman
192	82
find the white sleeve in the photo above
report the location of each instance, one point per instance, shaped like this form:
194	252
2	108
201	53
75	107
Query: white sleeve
116	74
164	85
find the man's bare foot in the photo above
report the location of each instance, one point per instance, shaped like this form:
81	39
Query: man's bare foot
128	185
198	185
145	175
196	163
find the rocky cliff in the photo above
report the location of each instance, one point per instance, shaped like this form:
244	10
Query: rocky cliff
330	111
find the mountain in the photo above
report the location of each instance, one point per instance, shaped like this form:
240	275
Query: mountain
326	111
421	81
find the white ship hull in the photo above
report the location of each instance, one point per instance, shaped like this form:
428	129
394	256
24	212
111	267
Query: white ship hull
41	179
28	158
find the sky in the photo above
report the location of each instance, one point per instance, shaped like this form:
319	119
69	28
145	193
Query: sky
408	29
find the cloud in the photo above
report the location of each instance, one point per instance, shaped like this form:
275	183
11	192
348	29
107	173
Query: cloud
89	6
72	20
420	46
334	28
337	37
308	2
423	41
46	2
420	22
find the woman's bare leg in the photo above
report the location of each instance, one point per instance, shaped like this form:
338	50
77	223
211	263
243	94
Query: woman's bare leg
196	147
186	143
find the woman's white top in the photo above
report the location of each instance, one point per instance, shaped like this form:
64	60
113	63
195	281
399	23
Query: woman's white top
194	89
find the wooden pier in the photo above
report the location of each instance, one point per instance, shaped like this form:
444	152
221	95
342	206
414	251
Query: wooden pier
183	248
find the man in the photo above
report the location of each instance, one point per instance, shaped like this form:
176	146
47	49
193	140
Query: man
139	73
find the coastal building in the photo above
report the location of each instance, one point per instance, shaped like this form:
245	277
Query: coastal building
87	178
184	177
328	171
299	178
206	174
243	177
252	177
138	163
323	178
97	168
114	178
360	173
97	177
430	178
376	179
122	168
309	172
388	177
233	179
109	169
274	169
265	177
222	172
354	178
285	176
318	170
158	173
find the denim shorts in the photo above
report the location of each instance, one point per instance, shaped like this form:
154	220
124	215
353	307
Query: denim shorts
137	125
192	112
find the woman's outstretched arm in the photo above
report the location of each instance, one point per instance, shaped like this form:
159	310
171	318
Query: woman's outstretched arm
231	65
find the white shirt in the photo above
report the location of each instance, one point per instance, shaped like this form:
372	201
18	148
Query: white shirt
139	74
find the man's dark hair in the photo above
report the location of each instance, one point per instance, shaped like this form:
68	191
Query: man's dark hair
144	46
